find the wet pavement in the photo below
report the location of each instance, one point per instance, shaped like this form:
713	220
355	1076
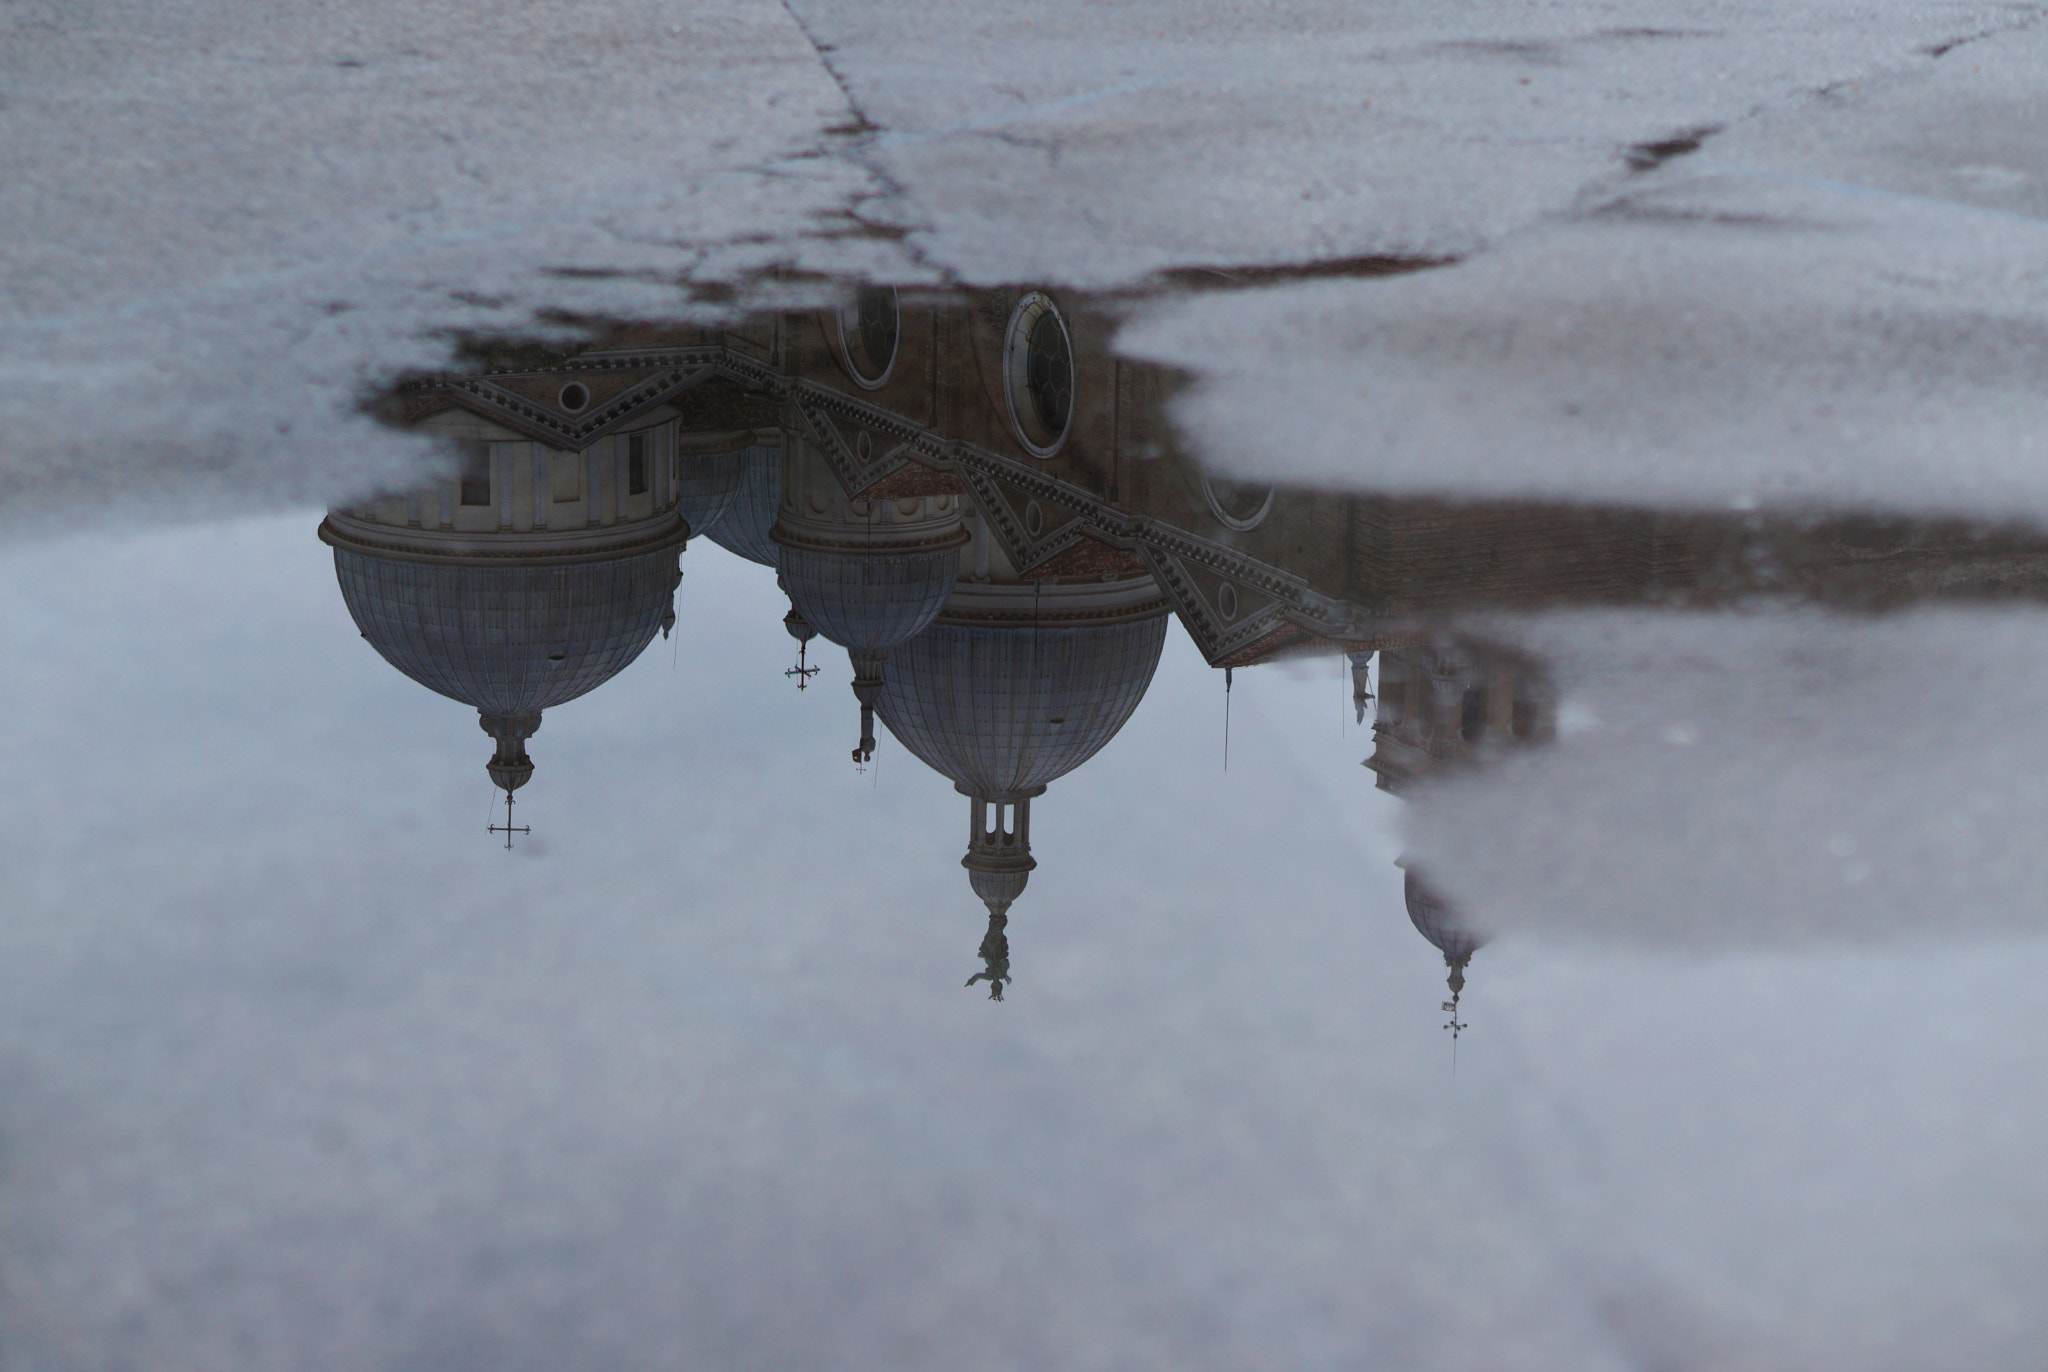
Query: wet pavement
770	686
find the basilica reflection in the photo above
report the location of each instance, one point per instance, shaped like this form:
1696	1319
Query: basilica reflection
987	510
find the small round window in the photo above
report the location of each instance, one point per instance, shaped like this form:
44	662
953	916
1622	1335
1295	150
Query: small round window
1038	374
574	397
870	327
1239	505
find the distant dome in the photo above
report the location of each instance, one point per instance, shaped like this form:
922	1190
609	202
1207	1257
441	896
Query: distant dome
1005	709
707	484
744	524
869	602
1438	922
511	641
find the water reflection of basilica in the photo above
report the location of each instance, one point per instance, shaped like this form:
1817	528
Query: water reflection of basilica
985	509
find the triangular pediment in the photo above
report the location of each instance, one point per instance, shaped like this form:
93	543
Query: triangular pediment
550	407
1224	608
860	447
1034	522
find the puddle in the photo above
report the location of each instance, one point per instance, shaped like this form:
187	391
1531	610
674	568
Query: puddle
689	948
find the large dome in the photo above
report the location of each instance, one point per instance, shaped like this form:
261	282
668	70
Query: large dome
1005	709
743	526
511	641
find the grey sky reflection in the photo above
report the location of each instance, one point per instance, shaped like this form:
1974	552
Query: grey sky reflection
301	1068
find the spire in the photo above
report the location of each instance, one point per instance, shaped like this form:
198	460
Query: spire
867	685
1456	981
1361	695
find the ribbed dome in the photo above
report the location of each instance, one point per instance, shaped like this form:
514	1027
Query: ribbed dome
743	528
707	484
868	602
1438	922
511	641
1006	709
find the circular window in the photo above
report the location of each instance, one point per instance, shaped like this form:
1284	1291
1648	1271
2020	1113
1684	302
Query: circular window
1239	505
1226	601
574	397
870	327
1038	374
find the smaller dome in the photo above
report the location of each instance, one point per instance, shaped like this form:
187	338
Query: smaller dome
1439	922
870	602
707	484
743	526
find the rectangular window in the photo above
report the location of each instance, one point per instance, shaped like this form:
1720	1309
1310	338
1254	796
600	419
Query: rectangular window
476	471
565	477
636	465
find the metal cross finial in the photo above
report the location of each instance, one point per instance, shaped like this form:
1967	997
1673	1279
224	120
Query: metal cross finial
802	673
1454	1025
508	828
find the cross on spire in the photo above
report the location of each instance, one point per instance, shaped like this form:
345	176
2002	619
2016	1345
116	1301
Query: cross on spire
802	673
508	828
1456	981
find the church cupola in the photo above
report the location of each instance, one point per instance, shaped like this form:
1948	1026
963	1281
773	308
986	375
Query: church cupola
1012	687
865	573
523	581
1447	932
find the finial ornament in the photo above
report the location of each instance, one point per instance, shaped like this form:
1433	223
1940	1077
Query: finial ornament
508	828
867	686
1226	719
1456	981
995	953
801	672
800	629
1361	685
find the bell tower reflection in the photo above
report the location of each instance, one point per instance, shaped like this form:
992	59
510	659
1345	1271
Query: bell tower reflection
1444	705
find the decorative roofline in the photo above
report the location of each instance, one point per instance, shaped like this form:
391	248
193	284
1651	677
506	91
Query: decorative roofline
667	530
